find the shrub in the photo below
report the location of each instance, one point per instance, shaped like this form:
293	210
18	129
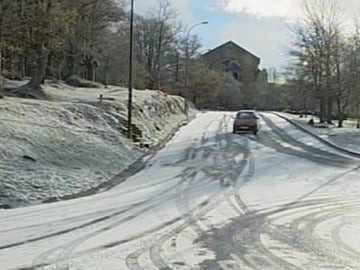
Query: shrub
80	82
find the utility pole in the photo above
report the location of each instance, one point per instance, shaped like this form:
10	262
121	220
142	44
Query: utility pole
187	92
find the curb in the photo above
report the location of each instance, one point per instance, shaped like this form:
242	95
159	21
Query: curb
316	136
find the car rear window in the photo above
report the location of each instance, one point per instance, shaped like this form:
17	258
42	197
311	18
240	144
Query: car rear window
246	115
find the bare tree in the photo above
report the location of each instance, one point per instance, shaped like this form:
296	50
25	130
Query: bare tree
318	50
156	37
352	70
88	38
204	84
7	9
94	17
38	27
329	58
230	95
2	16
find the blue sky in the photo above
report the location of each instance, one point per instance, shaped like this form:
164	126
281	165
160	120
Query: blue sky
260	26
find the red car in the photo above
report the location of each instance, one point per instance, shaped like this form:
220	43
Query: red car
246	120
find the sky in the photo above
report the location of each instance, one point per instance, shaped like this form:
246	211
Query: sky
259	26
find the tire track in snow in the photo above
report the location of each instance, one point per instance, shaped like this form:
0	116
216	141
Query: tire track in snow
187	178
97	220
93	216
250	228
65	250
241	166
183	203
189	156
300	234
353	253
182	200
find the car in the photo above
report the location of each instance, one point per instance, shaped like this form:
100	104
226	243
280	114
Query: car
246	120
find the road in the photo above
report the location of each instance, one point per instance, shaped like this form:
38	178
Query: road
209	200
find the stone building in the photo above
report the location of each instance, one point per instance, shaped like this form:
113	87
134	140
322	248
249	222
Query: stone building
244	83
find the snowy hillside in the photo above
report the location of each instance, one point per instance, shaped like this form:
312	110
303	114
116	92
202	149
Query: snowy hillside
49	149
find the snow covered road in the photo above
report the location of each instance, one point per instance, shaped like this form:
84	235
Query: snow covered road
209	200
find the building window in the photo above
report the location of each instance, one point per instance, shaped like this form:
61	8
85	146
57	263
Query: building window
236	76
225	64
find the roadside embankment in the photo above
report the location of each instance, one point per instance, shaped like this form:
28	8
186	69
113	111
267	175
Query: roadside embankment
77	141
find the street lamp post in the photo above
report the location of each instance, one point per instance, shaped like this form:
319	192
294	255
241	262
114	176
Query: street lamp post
130	81
187	94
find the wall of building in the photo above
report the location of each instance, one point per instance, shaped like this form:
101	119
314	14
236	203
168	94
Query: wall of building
242	66
229	52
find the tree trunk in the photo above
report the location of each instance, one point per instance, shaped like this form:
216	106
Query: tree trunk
1	77
327	85
329	108
48	70
177	67
93	74
59	71
39	71
322	110
159	51
23	68
341	120
71	69
89	71
358	116
106	78
20	68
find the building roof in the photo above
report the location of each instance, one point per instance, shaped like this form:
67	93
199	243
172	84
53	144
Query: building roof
232	43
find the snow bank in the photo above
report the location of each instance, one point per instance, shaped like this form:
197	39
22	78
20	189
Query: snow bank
50	149
346	137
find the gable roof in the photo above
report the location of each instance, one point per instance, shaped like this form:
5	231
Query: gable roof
233	44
